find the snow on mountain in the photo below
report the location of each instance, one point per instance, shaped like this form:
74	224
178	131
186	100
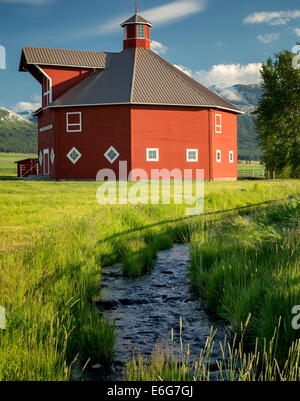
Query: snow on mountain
28	115
9	115
245	97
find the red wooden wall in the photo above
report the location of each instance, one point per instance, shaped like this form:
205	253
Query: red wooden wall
225	141
63	78
133	41
172	130
133	129
102	127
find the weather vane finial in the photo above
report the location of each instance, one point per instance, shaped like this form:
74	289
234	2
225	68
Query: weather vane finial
136	7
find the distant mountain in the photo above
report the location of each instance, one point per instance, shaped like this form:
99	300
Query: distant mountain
28	116
17	134
246	97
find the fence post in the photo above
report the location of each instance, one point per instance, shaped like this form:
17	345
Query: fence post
274	175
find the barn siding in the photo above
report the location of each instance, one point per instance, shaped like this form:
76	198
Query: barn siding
47	139
172	130
226	141
64	78
102	127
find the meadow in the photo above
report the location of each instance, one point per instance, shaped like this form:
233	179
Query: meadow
55	237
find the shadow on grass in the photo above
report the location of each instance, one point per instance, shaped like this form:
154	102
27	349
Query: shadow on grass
9	178
243	209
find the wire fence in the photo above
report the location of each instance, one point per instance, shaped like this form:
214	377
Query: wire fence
254	172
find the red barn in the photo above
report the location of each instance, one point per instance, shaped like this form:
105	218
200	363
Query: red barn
102	108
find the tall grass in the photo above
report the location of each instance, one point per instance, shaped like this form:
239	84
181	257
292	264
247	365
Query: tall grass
54	238
251	264
234	364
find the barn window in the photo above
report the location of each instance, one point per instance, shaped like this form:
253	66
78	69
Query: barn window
112	154
231	156
125	33
74	122
47	91
218	156
192	155
74	155
152	155
141	31
218	123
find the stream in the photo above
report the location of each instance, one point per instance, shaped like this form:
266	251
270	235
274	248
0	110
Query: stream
145	309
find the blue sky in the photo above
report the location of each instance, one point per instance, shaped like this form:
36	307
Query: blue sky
219	42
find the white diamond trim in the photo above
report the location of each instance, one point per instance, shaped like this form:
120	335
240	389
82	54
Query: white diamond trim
117	154
52	156
74	161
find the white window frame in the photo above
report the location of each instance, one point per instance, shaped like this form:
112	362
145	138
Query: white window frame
219	152
231	153
125	32
151	150
47	95
218	127
78	154
187	155
137	33
74	124
117	154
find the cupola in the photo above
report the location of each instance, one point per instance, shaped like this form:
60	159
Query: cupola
136	32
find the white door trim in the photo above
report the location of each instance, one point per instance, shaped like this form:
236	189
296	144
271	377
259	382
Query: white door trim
46	152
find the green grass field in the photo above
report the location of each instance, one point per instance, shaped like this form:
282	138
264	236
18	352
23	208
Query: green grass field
54	238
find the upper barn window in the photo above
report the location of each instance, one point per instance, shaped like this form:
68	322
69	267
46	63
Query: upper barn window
74	122
218	123
141	31
47	91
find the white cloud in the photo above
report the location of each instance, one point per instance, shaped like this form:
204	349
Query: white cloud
184	69
231	95
175	10
272	17
224	75
268	37
297	31
26	106
158	15
158	47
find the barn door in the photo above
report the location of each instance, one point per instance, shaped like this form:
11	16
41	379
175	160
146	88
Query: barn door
46	161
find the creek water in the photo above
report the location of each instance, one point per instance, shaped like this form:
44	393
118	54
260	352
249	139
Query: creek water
145	309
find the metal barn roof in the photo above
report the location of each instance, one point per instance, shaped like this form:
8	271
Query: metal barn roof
136	19
64	58
140	76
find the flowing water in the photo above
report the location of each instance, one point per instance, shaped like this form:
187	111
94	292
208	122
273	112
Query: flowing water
145	309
